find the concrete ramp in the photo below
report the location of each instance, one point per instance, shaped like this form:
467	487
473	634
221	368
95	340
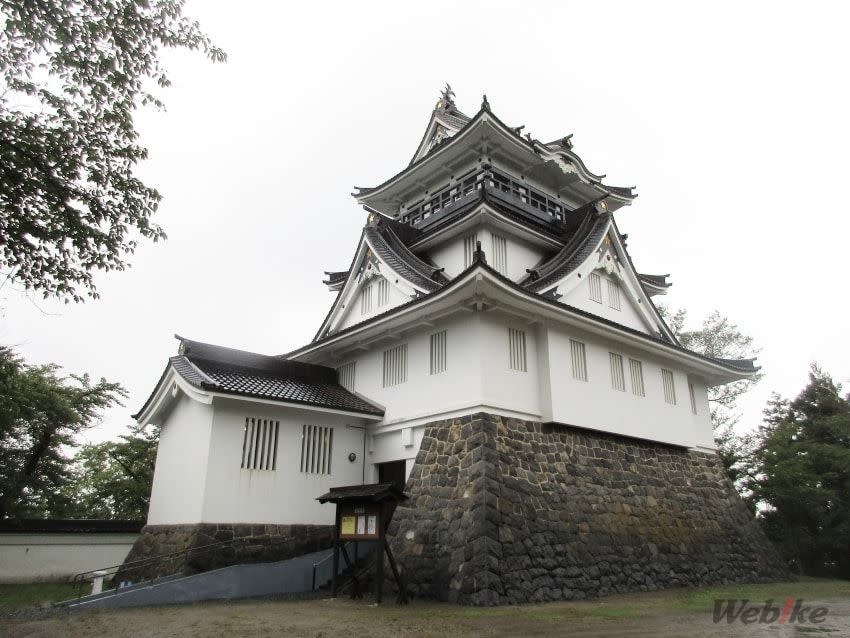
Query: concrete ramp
237	581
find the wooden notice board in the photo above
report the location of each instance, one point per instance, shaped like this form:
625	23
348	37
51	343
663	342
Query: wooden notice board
361	522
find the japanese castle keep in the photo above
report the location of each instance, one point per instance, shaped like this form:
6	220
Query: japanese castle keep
492	347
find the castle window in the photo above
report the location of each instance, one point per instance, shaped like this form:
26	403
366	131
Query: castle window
693	395
383	292
366	300
618	378
594	284
669	386
438	352
345	375
395	365
613	294
579	360
316	449
470	243
259	444
636	368
516	346
500	255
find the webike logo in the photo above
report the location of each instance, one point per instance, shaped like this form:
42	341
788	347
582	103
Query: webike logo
794	611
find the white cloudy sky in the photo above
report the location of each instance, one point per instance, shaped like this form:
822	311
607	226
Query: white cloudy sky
731	119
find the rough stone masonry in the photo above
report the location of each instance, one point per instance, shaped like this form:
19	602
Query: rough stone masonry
508	511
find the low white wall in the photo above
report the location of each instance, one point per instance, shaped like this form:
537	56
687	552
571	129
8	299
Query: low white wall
34	557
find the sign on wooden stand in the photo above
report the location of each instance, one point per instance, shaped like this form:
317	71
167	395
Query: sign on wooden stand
363	514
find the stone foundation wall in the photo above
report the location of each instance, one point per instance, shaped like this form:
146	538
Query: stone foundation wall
245	543
508	511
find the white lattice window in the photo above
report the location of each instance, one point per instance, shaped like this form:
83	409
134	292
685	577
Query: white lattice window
618	377
669	386
499	260
614	294
259	444
366	300
383	292
693	395
345	375
438	352
317	444
578	356
395	365
470	242
594	287
636	369
516	348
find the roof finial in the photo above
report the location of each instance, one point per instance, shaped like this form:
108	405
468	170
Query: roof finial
447	97
484	103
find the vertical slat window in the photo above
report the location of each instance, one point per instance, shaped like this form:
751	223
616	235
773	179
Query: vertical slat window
594	287
499	260
516	347
636	369
259	444
316	449
469	244
383	292
578	356
669	386
438	352
346	374
693	395
618	377
395	365
366	300
614	294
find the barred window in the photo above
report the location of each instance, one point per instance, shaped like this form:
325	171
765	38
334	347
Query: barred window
669	386
614	294
693	395
395	365
594	287
317	443
383	292
516	346
438	352
618	378
578	356
636	368
259	444
500	255
470	242
345	375
366	300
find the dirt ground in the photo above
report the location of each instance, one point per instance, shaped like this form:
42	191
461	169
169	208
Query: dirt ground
625	615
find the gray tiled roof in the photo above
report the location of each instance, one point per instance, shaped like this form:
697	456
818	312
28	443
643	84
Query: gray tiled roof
577	249
237	372
397	256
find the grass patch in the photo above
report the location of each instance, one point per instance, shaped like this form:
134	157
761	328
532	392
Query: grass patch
30	594
806	588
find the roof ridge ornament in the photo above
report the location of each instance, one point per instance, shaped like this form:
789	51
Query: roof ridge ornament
447	98
485	104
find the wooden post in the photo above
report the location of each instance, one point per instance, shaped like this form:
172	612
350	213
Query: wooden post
379	575
336	568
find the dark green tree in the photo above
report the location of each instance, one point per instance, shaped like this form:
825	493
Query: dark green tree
113	479
72	74
800	476
40	415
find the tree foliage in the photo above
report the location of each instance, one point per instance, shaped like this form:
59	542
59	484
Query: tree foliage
799	470
40	415
113	479
73	73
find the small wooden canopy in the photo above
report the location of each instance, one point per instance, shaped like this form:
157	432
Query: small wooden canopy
371	493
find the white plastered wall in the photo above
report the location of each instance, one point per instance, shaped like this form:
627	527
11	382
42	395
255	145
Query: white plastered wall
285	495
181	463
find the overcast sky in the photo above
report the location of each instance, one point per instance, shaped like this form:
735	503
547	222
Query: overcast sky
731	120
